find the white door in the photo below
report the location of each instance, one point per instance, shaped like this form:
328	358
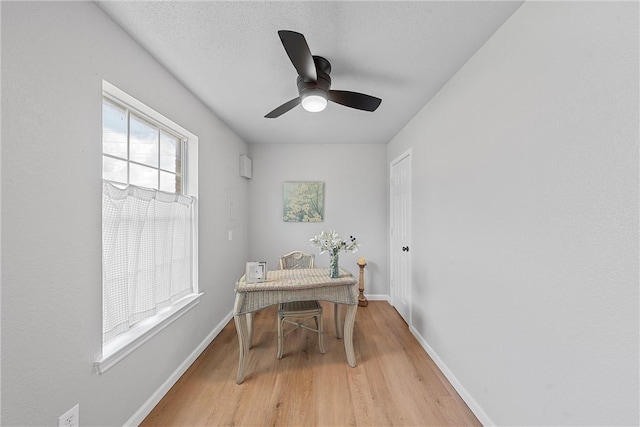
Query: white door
401	235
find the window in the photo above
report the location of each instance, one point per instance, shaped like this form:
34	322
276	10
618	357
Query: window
138	150
149	223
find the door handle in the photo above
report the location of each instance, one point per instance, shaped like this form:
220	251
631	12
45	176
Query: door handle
405	249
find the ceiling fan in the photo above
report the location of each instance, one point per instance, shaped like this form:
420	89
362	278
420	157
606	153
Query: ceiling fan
314	82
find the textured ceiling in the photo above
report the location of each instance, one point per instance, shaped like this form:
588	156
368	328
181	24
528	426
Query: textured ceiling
230	56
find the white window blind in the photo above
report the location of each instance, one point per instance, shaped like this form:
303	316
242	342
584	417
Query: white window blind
147	253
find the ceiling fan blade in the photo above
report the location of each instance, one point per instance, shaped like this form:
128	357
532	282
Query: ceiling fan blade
298	50
283	108
355	100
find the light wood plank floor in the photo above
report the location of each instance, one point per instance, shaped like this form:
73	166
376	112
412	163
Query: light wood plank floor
395	383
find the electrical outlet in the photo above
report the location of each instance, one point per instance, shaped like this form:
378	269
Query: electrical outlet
70	418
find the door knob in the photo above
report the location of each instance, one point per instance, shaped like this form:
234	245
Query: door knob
405	249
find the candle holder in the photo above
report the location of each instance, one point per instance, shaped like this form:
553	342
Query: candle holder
362	300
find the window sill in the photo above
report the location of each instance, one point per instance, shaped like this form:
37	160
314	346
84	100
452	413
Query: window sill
124	344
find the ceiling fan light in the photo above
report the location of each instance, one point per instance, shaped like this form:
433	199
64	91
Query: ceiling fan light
314	102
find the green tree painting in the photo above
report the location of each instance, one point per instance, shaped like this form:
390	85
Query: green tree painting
303	201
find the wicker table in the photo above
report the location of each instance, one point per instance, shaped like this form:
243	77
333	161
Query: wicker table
295	285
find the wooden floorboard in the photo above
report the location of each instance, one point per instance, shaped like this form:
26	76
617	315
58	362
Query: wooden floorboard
395	383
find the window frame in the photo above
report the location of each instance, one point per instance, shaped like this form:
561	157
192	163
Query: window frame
125	343
162	128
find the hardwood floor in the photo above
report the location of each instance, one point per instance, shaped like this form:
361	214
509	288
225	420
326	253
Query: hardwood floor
394	384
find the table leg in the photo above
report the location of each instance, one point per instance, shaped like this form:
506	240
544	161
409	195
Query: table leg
349	322
243	343
337	320
250	328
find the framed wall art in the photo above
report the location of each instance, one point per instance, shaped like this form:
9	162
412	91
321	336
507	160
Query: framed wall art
303	201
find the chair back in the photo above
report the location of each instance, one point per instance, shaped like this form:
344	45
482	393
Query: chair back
297	259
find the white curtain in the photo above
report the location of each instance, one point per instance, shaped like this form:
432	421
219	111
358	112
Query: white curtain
147	254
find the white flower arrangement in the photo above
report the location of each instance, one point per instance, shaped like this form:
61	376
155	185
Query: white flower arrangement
333	243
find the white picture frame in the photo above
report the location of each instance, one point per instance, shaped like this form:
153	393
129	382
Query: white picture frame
256	271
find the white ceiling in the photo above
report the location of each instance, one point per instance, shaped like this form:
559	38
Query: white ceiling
230	56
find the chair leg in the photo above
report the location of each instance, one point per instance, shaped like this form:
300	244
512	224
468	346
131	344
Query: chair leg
250	327
320	333
280	321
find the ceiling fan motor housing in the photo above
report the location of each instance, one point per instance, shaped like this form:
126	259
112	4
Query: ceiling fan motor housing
323	82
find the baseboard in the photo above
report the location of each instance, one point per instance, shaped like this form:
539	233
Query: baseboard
377	297
464	394
148	406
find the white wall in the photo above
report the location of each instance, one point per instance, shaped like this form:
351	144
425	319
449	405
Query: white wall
355	204
54	57
525	216
525	233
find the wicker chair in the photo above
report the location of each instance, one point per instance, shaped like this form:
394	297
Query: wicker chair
296	259
298	312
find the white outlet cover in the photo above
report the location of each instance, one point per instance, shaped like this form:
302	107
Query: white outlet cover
70	418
